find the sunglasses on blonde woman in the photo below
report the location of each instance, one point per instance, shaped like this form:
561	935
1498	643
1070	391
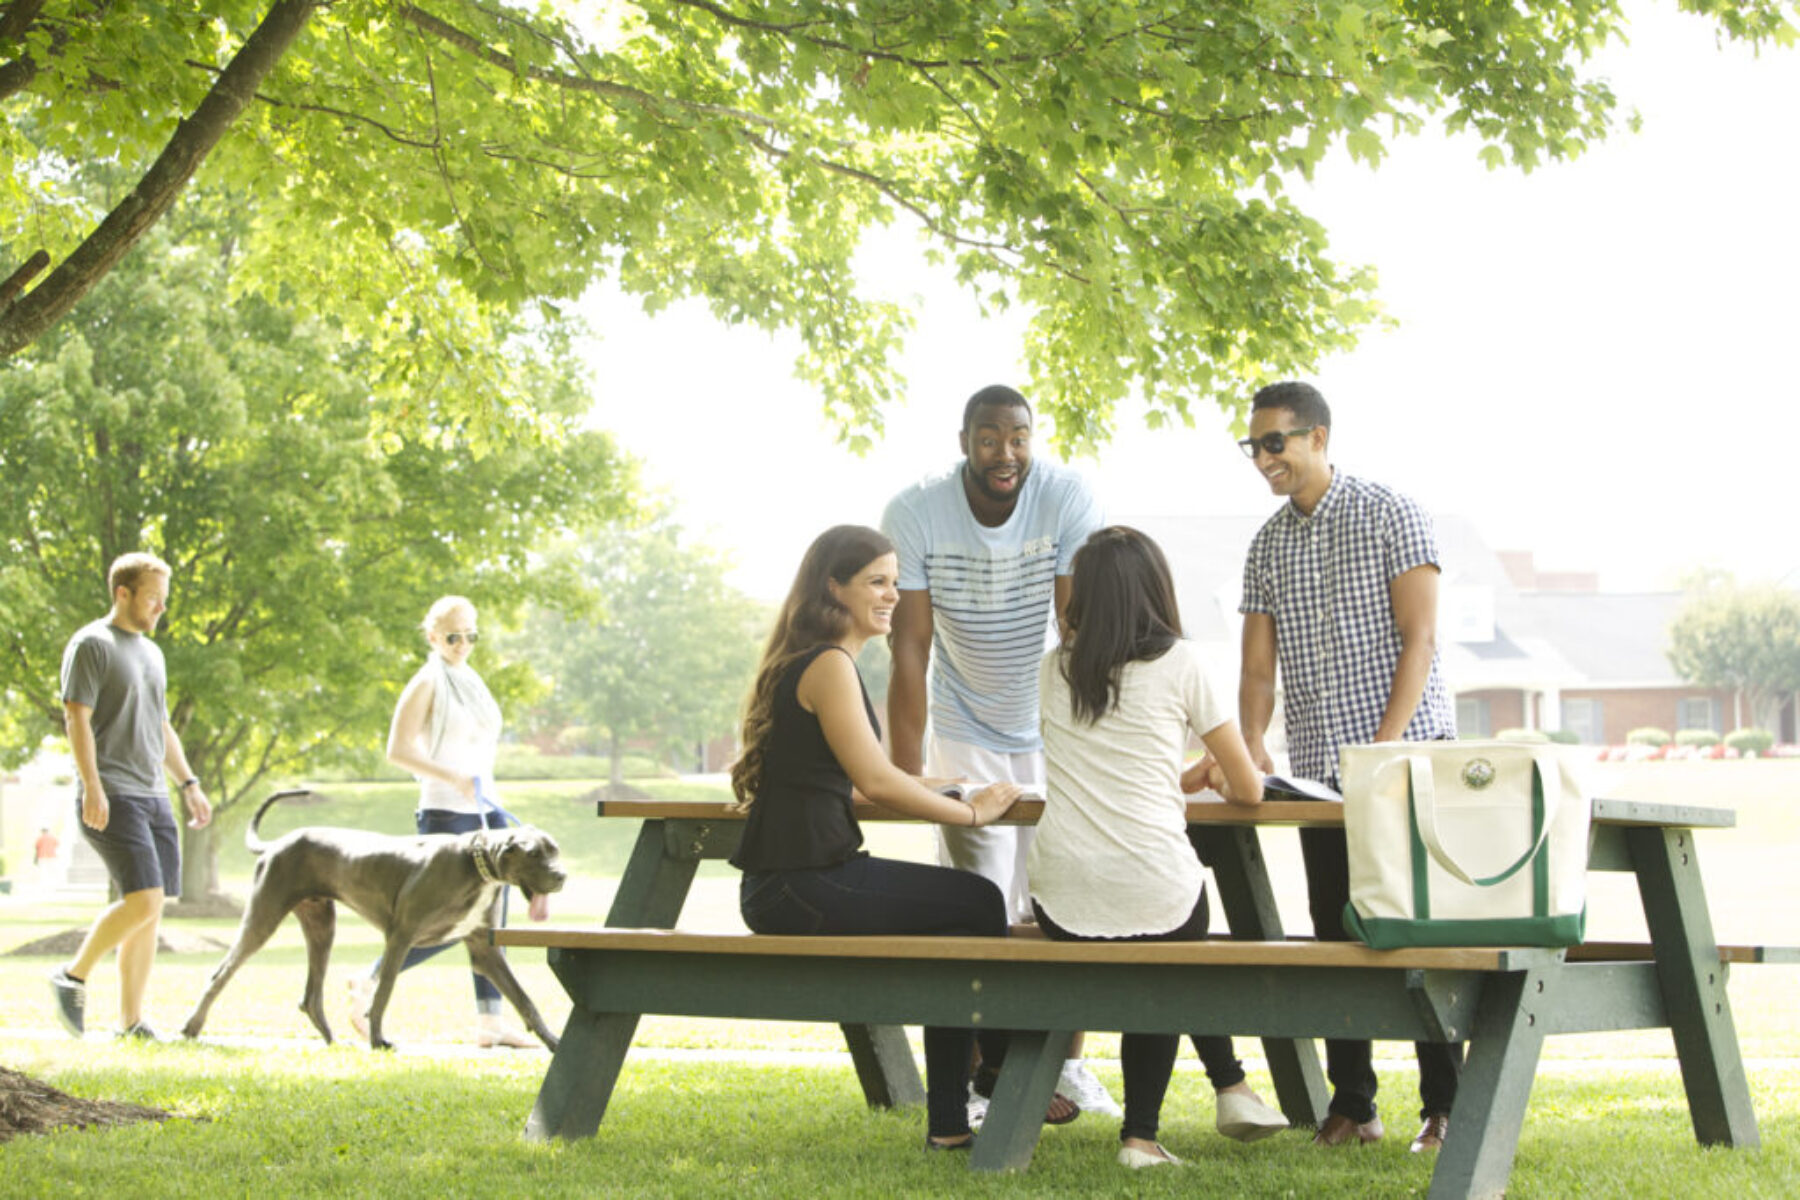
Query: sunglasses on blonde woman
456	639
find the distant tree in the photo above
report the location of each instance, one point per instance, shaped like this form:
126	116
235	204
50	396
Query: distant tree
233	439
1120	168
1742	638
648	642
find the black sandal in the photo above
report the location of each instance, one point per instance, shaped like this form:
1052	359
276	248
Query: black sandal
983	1086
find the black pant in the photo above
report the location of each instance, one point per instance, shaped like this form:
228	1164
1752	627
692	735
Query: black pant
1349	1064
1148	1059
883	896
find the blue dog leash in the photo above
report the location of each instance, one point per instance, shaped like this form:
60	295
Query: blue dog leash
486	804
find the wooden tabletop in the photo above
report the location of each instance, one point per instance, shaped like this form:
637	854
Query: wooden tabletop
1199	812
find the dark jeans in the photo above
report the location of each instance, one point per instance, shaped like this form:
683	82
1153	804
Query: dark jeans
1349	1064
437	820
1148	1059
871	896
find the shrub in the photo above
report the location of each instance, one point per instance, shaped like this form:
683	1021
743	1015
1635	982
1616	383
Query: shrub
1750	741
1565	737
1696	737
1649	735
1531	736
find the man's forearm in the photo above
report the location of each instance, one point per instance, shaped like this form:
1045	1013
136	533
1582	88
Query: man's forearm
1410	676
906	716
1256	708
174	756
81	747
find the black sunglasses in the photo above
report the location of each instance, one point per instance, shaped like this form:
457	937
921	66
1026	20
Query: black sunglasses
455	639
1273	443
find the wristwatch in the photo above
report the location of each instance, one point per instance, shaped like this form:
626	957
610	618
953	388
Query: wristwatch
189	782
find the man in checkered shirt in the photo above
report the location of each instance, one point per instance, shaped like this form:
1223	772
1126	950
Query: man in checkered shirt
1340	592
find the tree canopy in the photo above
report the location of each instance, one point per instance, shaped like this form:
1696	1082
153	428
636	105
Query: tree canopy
234	441
1121	168
651	642
1742	638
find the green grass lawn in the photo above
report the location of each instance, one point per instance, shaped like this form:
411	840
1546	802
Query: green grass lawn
303	1119
281	1122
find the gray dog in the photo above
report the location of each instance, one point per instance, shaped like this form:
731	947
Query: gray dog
418	891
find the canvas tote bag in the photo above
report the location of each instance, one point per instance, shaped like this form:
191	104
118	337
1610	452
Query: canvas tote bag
1464	843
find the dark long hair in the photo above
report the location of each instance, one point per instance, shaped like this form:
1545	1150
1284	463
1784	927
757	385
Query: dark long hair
1121	609
809	617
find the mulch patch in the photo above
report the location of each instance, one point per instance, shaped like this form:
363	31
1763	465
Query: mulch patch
168	941
29	1105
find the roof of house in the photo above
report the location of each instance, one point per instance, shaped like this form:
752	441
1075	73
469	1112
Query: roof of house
1538	639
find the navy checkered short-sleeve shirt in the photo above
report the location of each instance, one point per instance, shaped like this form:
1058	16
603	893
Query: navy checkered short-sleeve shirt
1324	578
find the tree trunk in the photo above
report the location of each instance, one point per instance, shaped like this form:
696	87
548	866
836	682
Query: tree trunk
616	763
27	320
199	862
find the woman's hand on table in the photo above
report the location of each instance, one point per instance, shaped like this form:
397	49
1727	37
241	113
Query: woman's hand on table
992	801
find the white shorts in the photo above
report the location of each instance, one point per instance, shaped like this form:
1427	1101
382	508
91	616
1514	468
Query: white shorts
996	852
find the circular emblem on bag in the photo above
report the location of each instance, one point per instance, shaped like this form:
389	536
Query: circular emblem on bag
1477	773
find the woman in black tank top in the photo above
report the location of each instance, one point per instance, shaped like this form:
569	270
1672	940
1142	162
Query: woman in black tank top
810	734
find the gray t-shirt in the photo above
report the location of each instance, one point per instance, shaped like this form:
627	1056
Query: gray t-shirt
120	675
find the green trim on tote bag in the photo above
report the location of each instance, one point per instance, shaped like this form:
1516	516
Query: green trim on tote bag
1402	933
1533	853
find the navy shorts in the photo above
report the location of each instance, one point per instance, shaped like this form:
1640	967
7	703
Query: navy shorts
140	845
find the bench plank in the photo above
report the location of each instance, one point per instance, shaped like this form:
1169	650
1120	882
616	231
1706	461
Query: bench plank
1199	812
1220	952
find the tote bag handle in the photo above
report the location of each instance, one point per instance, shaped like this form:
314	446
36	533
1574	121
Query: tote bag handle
1546	795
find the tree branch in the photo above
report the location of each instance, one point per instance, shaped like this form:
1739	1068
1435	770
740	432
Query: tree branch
342	114
157	191
470	44
16	75
18	18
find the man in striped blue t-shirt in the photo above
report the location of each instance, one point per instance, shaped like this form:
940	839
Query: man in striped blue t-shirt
985	552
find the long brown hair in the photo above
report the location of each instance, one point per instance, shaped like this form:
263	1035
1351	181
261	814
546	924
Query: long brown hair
809	617
1121	609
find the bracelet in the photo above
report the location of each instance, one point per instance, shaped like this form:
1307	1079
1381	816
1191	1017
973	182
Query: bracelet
189	782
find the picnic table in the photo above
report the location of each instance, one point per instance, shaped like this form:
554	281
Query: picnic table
1258	983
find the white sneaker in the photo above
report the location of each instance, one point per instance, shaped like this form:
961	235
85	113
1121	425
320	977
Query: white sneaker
1078	1084
978	1106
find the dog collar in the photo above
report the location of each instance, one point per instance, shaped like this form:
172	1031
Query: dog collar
483	866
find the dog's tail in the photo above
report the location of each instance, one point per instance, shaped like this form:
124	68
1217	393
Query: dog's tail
256	844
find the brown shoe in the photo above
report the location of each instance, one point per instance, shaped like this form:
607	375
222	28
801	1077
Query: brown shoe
1432	1133
1339	1130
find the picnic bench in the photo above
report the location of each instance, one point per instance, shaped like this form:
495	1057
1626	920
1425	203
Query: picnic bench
1504	1002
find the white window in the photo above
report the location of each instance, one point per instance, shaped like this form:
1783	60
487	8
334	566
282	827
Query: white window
1698	712
1584	719
1472	717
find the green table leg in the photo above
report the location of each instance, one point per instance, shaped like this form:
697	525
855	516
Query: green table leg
583	1071
655	884
1693	986
1015	1115
1504	1045
1235	856
657	879
884	1065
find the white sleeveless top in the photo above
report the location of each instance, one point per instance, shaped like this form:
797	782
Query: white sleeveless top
462	734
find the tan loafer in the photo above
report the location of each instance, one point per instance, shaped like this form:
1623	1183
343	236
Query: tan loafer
1339	1130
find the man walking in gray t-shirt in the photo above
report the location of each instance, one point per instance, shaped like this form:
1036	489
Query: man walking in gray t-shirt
115	709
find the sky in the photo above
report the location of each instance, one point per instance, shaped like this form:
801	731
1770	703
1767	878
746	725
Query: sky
1593	362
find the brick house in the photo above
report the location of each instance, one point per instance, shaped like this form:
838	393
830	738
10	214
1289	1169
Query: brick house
1520	648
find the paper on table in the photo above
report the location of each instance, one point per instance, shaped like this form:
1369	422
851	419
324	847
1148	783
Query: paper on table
967	788
1278	787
